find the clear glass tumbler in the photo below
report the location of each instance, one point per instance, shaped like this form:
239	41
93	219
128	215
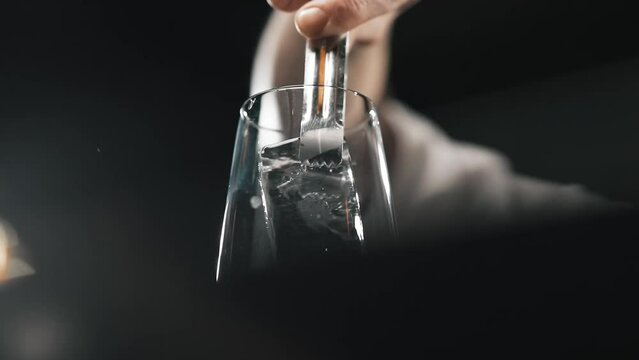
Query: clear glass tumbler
278	214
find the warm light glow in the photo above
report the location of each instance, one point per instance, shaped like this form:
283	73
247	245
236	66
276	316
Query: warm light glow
4	254
11	266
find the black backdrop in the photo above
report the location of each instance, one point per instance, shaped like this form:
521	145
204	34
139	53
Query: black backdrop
116	128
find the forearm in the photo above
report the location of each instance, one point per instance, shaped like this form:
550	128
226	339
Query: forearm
279	59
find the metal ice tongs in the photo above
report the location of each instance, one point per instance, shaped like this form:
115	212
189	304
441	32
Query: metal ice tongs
322	127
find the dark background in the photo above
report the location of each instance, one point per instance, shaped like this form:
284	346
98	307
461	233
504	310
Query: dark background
117	120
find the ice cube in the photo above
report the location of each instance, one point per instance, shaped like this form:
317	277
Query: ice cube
311	206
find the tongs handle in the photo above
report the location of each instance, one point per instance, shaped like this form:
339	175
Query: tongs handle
326	62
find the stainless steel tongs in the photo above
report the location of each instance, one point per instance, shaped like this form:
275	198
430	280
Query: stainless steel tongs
322	128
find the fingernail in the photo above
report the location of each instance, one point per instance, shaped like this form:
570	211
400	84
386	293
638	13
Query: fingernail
311	21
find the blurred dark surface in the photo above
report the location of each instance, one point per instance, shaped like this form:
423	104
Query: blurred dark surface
116	128
562	287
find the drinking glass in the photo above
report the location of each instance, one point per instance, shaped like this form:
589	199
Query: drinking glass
277	214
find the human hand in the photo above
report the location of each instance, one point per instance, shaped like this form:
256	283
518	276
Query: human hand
368	20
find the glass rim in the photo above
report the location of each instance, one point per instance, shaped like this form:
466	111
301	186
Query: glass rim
253	97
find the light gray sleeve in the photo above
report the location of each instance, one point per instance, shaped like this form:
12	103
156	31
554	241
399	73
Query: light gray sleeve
443	187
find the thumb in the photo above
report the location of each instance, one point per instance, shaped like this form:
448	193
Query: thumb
323	18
